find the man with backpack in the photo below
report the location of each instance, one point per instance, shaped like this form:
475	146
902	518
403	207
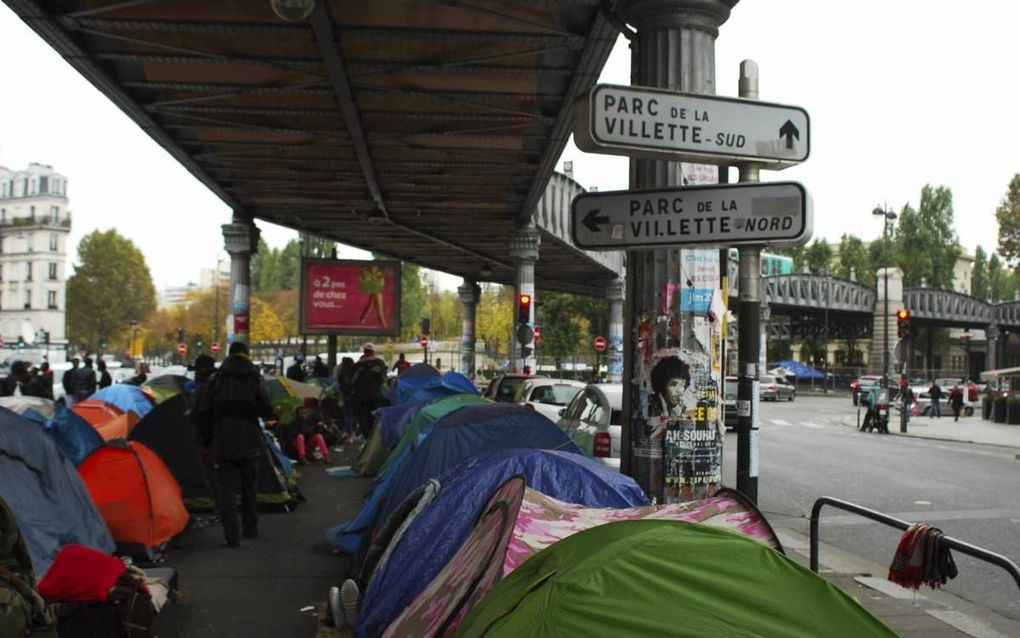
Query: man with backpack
369	377
227	411
84	381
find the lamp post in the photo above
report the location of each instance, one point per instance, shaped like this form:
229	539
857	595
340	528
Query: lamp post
887	216
828	286
216	317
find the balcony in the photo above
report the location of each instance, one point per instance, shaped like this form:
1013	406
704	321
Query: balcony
36	222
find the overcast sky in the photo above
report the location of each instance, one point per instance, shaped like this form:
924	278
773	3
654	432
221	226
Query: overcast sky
900	94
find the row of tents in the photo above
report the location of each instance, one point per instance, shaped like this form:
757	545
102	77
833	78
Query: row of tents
485	519
120	472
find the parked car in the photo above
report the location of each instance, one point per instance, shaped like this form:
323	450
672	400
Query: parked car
594	421
505	386
548	396
862	386
772	388
730	402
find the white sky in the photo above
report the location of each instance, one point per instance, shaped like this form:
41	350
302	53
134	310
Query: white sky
900	94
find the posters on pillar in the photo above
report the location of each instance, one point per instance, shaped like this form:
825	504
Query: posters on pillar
350	297
679	395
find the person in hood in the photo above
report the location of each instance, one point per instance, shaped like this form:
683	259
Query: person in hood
369	377
105	380
227	412
84	380
296	372
319	369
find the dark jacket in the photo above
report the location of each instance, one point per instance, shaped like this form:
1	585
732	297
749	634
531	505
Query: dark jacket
105	380
68	381
369	377
84	381
296	372
228	408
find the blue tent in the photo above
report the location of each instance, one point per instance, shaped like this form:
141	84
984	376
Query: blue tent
470	431
46	494
799	370
437	387
393	420
126	396
410	380
432	539
72	434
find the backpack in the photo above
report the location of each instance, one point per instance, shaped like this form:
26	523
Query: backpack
23	611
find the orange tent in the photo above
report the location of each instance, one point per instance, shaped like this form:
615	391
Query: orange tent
118	427
110	421
135	493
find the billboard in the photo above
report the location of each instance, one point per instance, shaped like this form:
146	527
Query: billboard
350	297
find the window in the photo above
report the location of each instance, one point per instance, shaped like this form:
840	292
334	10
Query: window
54	245
28	271
31	213
1	272
51	300
44	184
3	189
55	214
28	299
53	270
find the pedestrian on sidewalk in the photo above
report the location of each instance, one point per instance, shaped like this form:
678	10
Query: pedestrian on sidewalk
956	402
227	411
936	395
368	380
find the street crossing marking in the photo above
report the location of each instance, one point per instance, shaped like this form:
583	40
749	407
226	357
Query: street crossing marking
811	425
781	422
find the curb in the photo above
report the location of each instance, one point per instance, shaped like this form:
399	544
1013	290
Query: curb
944	439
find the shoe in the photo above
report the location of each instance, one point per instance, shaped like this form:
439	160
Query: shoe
350	599
304	461
336	610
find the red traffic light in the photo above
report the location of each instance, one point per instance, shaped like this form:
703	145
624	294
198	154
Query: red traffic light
524	300
524	308
903	314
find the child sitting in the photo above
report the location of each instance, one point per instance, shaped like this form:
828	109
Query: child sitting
304	429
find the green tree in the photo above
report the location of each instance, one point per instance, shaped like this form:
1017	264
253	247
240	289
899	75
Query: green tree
979	275
493	319
111	287
854	257
818	256
1008	216
1000	280
561	331
412	300
926	240
288	266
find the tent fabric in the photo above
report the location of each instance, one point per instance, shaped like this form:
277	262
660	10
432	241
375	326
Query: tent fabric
81	574
19	404
657	578
473	430
169	433
136	494
96	411
46	493
469	575
800	370
72	434
433	538
127	397
409	381
392	420
423	421
450	383
283	398
119	427
165	386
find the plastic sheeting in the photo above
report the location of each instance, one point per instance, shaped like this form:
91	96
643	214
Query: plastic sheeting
127	397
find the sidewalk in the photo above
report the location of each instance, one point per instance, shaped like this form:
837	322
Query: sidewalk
972	429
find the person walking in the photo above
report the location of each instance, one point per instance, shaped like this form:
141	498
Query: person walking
935	392
956	402
319	369
401	364
368	380
296	372
345	380
228	408
84	380
105	380
68	382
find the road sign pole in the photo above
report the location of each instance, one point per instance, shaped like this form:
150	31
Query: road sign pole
748	319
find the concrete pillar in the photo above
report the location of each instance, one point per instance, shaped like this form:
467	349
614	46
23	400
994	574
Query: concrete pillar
614	292
241	240
675	50
524	251
885	319
469	293
992	341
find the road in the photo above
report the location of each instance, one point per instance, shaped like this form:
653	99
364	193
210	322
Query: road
971	492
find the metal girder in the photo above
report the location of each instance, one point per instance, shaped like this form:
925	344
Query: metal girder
818	291
947	307
552	215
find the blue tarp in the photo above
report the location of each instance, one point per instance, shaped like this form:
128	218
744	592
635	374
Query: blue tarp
800	370
434	537
126	396
469	431
410	380
393	420
43	489
448	384
72	434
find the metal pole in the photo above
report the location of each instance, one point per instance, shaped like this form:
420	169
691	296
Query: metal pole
885	305
749	336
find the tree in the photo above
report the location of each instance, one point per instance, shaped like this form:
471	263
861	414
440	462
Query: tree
818	256
853	257
1000	280
1008	216
926	240
412	301
284	304
979	275
561	331
110	289
493	319
265	325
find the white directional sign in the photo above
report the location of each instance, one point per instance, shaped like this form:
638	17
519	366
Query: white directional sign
774	213
639	121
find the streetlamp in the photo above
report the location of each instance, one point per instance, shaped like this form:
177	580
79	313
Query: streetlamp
887	216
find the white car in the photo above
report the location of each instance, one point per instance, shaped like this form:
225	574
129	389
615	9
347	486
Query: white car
548	396
594	421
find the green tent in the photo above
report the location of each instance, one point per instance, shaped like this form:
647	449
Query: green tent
282	397
376	459
665	578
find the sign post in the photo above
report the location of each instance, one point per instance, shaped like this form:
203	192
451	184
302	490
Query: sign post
600	347
214	346
723	215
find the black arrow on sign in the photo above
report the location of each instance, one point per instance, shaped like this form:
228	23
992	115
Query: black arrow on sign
789	131
592	220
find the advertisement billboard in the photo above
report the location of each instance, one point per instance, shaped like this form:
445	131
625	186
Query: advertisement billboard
350	297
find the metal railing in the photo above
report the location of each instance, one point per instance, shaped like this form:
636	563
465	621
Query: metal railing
964	548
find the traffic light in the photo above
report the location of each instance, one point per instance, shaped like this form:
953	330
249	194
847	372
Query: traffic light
102	342
426	326
903	323
523	308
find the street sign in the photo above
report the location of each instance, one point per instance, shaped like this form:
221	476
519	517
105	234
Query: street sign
538	334
215	347
640	121
600	344
424	341
723	215
182	348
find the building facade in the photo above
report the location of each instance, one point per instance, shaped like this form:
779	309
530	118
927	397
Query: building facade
35	223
